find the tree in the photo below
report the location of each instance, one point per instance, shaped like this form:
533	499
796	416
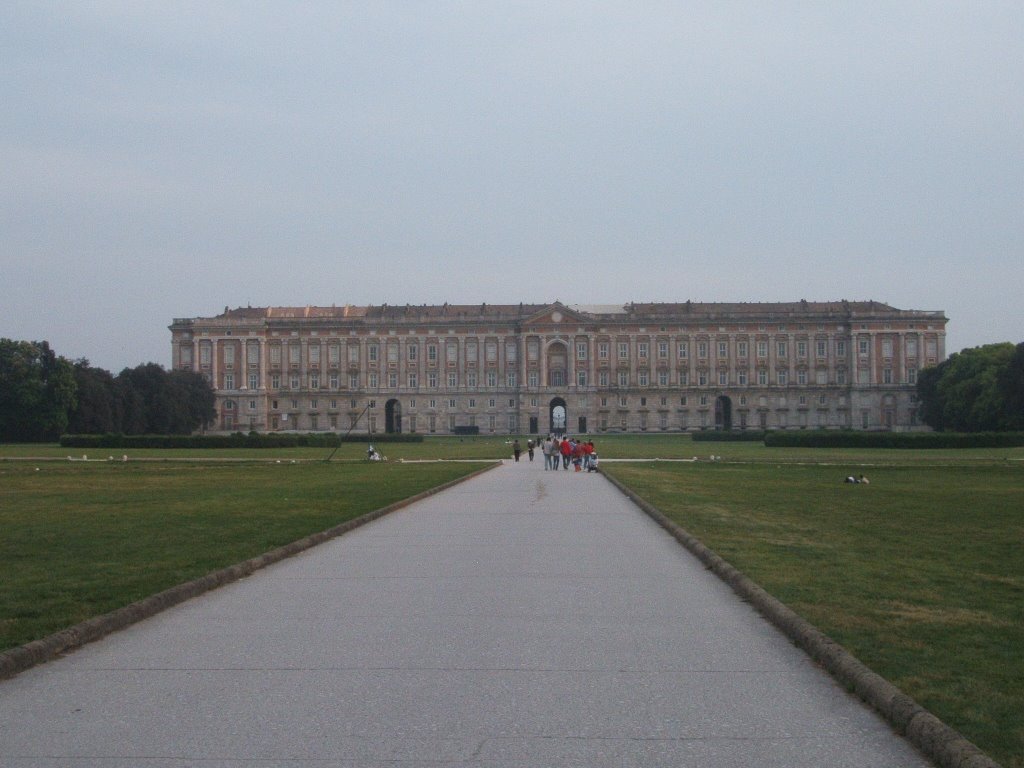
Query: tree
1011	387
99	408
161	403
968	392
37	390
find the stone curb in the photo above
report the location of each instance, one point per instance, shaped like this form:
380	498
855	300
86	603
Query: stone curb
17	660
947	747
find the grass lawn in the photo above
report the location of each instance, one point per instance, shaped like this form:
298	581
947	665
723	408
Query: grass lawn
83	539
920	574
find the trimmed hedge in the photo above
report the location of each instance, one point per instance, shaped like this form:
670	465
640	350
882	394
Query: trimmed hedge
730	436
236	440
853	439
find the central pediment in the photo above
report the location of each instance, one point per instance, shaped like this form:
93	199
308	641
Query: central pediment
555	314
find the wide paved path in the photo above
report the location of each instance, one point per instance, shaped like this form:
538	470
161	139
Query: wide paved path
524	618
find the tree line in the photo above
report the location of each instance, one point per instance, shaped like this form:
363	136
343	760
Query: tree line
975	390
44	395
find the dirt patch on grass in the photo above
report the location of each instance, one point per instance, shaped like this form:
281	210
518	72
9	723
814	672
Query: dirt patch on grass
961	617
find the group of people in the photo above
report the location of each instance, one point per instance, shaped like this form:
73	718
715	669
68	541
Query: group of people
564	451
859	480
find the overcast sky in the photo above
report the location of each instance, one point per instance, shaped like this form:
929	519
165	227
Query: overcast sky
167	159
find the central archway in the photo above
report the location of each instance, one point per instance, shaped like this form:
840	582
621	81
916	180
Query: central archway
723	413
393	416
558	416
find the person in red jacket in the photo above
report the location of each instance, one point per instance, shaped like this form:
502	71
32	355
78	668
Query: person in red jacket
566	450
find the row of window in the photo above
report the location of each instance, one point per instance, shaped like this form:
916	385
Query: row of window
604	348
703	378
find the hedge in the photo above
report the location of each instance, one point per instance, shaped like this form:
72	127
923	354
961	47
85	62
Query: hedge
726	436
853	439
236	440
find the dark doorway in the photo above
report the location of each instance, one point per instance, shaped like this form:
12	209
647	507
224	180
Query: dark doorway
723	413
559	416
533	425
583	425
393	416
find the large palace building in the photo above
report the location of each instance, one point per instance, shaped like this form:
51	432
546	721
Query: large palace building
538	368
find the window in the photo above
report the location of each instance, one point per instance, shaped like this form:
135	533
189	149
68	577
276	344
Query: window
662	350
886	347
294	381
762	349
313	404
453	380
801	377
581	378
642	349
393	380
353	381
314	355
840	375
911	375
533	379
683	350
762	377
723	349
840	349
702	349
334	354
413	380
511	402
471	352
602	350
643	378
491	349
252	405
314	381
432	355
373	382
532	349
821	376
702	378
623	350
782	377
432	379
471	379
229	354
887	375
452	352
510	352
911	344
511	379
581	350
373	352
780	348
741	378
393	352
490	402
294	354
254	381
684	378
662	378
623	378
275	381
452	403
275	355
862	347
229	381
801	349
602	379
931	346
741	349
821	348
723	378
623	402
492	379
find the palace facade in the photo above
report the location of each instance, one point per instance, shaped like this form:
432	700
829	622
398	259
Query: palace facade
538	368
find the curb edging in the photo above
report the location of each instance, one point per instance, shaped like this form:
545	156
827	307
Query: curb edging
16	660
938	741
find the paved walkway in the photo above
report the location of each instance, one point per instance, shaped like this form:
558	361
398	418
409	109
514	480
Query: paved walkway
525	618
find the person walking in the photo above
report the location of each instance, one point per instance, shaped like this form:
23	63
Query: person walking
565	449
546	448
516	450
529	448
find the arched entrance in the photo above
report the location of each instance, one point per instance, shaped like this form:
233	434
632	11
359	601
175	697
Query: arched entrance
558	416
723	413
393	416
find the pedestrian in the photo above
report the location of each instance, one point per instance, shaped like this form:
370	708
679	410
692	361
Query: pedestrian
565	449
529	448
516	450
546	448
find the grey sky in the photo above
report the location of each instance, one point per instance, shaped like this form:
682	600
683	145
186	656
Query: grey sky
165	159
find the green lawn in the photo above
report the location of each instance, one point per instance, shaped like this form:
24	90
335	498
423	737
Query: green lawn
920	574
82	539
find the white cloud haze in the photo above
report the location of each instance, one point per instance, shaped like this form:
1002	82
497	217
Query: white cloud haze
163	160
